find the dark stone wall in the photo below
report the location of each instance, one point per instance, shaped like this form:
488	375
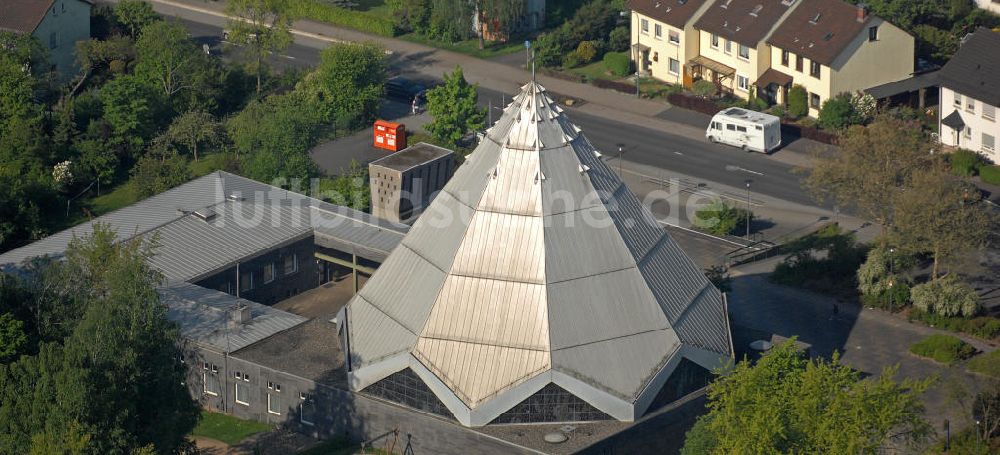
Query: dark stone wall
283	285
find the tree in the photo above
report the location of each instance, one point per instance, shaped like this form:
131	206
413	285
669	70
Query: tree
788	404
12	337
453	106
497	17
107	380
264	25
836	113
946	297
348	83
720	218
135	15
129	107
450	20
349	189
193	128
798	101
273	137
940	214
167	58
873	166
159	171
619	40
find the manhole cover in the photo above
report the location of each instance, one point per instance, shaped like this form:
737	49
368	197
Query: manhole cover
555	438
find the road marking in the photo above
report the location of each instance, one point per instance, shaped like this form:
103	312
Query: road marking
678	153
733	167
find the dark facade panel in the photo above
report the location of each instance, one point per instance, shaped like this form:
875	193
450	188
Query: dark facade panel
686	378
275	275
406	388
552	404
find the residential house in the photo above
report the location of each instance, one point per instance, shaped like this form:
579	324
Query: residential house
733	45
832	47
970	95
664	37
57	24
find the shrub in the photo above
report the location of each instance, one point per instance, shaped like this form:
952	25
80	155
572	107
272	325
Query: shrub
946	297
878	287
619	40
719	218
756	104
618	63
798	101
704	88
572	60
623	87
778	111
864	107
988	364
587	50
836	113
984	327
965	162
990	174
324	12
943	348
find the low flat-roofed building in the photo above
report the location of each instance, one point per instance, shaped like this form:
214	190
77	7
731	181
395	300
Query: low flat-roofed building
403	183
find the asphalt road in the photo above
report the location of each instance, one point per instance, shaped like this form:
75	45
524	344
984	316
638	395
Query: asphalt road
674	154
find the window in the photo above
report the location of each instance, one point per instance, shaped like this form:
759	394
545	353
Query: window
744	52
743	83
210	384
730	127
658	31
674	66
729	47
716	126
53	40
715	41
958	100
784	58
798	63
814	101
674	37
246	282
989	143
970	105
967	133
814	69
268	272
741	129
273	404
873	33
645	26
989	112
291	264
307	412
242	394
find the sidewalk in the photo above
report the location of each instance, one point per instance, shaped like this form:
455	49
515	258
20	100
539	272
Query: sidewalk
433	62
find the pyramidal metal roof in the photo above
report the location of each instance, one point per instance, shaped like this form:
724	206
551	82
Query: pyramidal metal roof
535	264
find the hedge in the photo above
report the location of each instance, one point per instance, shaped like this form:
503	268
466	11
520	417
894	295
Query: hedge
618	63
943	348
323	12
985	327
694	103
623	87
990	174
965	162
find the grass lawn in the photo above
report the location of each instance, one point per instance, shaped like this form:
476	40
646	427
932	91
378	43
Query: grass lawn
377	8
468	47
943	348
227	429
594	70
988	364
119	197
340	447
207	164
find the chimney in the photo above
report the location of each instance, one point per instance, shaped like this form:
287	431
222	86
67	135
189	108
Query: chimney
862	12
240	314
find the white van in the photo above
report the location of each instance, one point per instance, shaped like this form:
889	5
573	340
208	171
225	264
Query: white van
749	130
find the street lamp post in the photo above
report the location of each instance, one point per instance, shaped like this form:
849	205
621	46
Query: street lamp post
749	212
527	55
621	153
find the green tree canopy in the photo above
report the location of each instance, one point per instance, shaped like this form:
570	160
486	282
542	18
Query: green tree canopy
135	15
273	137
788	404
168	59
194	128
348	83
263	25
453	106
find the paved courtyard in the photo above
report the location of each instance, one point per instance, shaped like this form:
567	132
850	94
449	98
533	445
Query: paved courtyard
867	339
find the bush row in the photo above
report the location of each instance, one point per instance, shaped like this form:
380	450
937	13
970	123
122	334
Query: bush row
983	327
623	87
318	11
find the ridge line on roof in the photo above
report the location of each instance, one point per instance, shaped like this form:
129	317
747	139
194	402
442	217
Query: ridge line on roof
479	343
668	328
363	299
633	266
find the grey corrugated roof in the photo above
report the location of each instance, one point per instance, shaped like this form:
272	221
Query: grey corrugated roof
261	218
204	316
975	69
412	156
910	84
536	257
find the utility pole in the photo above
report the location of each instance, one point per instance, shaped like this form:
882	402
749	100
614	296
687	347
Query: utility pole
527	55
636	84
621	153
749	212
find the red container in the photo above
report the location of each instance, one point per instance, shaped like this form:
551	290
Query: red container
390	136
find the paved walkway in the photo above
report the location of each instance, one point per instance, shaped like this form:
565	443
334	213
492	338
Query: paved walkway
868	340
418	58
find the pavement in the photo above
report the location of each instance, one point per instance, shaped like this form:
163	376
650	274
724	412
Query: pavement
652	132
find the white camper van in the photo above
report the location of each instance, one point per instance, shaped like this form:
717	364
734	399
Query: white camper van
746	129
